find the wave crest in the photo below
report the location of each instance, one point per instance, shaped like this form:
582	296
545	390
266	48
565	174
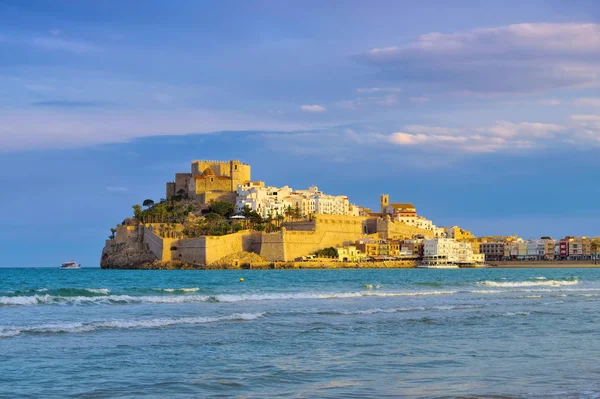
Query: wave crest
516	284
9	331
158	299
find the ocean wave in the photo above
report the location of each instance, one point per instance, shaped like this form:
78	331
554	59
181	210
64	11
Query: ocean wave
399	310
516	314
165	299
77	327
178	290
372	286
515	284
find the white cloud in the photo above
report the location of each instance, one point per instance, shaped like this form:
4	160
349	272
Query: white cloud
371	90
503	135
586	118
419	100
513	58
313	108
587	102
510	129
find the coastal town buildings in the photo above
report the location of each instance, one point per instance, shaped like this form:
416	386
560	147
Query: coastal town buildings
267	200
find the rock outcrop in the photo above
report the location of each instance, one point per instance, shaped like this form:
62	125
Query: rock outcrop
127	256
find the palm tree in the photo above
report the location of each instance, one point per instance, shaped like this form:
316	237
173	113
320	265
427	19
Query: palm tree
297	213
137	212
246	213
289	212
280	218
269	221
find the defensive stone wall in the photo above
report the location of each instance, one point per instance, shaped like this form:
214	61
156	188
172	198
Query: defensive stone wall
206	250
327	231
127	234
387	228
160	247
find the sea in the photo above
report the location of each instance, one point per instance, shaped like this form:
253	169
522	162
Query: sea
364	333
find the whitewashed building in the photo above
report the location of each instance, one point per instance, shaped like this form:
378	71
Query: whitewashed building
449	251
274	201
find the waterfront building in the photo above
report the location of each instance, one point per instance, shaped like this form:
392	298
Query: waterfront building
412	248
350	254
494	251
449	251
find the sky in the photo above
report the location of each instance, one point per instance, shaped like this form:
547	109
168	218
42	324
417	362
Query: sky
484	114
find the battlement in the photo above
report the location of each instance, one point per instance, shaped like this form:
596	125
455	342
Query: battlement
220	162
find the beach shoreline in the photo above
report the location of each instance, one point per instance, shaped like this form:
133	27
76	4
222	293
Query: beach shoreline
573	264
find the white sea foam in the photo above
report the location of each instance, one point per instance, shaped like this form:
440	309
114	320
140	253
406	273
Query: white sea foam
104	291
173	290
372	286
412	309
164	299
513	284
516	314
11	331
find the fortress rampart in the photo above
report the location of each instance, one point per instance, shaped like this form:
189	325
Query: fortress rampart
293	241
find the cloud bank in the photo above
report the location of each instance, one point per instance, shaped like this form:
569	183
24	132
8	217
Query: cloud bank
513	58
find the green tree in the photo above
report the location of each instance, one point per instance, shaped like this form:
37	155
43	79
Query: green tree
288	212
113	233
222	208
246	213
330	252
148	203
137	212
280	218
297	213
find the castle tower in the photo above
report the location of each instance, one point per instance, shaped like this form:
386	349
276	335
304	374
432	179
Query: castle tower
239	172
384	200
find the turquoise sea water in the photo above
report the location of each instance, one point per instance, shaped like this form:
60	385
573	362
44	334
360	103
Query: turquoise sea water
498	333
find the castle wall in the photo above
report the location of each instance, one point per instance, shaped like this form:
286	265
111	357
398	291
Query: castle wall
182	181
126	234
388	228
160	247
208	249
170	190
207	198
272	246
212	183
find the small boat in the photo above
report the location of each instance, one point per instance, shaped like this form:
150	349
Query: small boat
70	265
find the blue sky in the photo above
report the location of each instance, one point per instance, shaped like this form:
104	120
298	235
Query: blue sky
483	114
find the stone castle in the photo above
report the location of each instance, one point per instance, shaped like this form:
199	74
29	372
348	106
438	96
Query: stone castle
136	246
210	181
